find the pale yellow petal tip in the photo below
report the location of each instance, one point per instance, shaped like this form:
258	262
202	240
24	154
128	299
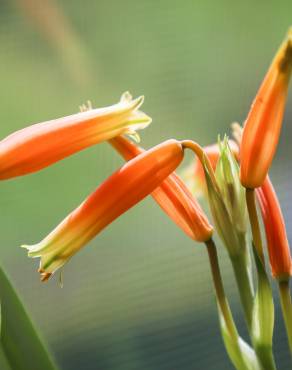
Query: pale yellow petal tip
133	135
31	250
142	117
136	103
127	98
45	275
27	247
85	107
138	121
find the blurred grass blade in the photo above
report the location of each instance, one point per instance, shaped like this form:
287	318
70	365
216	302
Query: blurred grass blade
20	345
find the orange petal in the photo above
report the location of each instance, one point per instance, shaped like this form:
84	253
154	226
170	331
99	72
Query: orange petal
263	124
278	245
121	191
38	146
173	197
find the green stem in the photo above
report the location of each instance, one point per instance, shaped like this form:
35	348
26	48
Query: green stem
264	352
241	267
203	158
286	306
233	349
266	358
254	223
219	289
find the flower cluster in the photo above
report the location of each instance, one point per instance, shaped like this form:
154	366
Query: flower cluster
230	174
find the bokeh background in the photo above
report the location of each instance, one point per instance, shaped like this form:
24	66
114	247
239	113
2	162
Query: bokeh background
140	295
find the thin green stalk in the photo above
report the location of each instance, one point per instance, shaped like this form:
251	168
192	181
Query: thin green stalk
219	289
254	223
204	159
242	356
286	305
241	267
265	351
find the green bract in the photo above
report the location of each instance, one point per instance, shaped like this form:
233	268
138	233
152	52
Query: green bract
227	200
233	193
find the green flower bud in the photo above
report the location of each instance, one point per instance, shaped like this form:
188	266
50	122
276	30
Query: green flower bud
221	217
232	192
227	200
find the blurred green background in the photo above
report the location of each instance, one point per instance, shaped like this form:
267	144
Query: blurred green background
140	295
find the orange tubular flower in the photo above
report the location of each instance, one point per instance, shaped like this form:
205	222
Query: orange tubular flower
278	245
173	197
40	145
121	191
263	124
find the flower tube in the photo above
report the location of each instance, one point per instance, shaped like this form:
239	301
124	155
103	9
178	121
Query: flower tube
263	124
38	146
121	191
173	197
277	242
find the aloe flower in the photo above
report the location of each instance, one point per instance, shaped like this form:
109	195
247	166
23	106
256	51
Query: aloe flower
121	191
173	197
277	241
38	146
263	124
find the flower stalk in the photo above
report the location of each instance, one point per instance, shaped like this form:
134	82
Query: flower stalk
227	203
254	223
263	307
219	288
241	264
242	356
204	159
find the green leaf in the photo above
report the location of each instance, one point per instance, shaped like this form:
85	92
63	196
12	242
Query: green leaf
20	346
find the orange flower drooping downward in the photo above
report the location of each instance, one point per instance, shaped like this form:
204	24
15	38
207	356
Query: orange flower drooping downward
38	146
278	245
122	190
263	124
173	197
